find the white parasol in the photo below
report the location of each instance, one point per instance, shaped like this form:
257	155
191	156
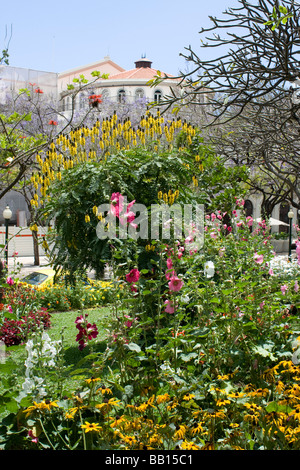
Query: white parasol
271	221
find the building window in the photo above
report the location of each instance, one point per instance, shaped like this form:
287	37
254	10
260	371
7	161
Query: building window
139	94
157	96
283	216
248	207
121	96
105	94
66	104
82	101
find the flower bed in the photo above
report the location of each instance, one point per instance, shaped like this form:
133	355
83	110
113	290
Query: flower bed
202	352
20	314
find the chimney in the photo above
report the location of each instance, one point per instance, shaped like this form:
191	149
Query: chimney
143	63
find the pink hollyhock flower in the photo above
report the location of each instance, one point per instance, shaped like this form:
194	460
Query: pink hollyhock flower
284	289
258	258
296	286
170	266
116	206
271	272
10	281
9	308
133	276
188	239
213	235
91	331
79	321
128	322
170	274
298	251
213	216
175	284
240	202
180	252
249	221
169	306
129	215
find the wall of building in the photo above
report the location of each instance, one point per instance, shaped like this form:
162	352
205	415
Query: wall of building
105	66
14	78
20	241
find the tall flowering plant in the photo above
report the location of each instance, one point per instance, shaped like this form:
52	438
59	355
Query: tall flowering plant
218	308
86	331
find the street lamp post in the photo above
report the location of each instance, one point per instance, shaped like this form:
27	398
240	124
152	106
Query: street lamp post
7	216
290	216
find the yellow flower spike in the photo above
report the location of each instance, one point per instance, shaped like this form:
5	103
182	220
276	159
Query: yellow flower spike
171	199
201	167
95	210
197	158
87	218
165	198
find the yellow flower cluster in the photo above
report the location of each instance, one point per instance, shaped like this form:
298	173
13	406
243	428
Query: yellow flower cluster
101	140
169	197
151	420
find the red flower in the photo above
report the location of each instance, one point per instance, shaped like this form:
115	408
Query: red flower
95	100
53	123
87	331
38	90
133	276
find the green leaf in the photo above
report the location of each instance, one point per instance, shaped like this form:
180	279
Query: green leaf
274	406
283	9
95	73
134	347
188	357
264	352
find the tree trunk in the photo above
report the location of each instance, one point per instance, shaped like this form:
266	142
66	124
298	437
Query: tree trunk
35	248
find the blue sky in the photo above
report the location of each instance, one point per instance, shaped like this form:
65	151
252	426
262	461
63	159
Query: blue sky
60	35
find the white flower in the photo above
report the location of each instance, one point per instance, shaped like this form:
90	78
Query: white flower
185	299
209	269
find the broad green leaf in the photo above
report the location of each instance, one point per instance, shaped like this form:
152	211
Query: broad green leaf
134	347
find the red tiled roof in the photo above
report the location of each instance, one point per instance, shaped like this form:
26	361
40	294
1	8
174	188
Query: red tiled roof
138	73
